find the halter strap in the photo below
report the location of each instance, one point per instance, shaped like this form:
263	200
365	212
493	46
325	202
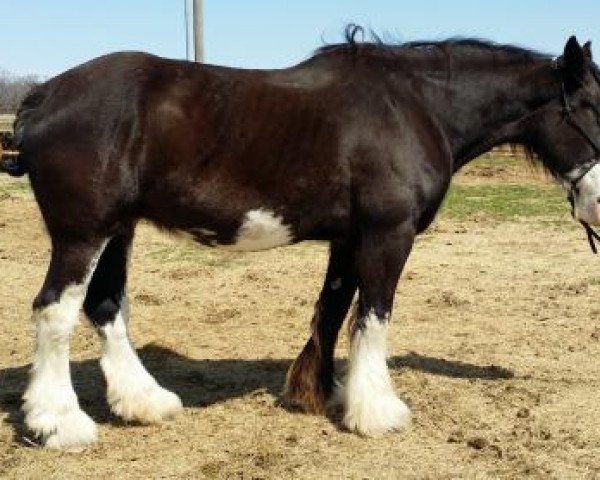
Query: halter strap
568	117
572	121
591	235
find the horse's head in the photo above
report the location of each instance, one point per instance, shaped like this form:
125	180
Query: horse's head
566	132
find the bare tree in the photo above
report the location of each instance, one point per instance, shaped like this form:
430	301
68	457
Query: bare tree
13	89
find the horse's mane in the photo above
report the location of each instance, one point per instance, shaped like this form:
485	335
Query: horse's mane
358	41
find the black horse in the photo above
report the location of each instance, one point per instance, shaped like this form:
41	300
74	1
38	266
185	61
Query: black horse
355	146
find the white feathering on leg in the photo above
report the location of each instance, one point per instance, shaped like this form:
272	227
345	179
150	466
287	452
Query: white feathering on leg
132	392
370	405
50	404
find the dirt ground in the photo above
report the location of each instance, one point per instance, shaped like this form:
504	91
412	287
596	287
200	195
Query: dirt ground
495	345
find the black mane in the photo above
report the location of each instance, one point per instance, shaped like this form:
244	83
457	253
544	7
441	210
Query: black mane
359	41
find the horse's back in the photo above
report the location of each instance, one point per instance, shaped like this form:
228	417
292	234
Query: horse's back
197	147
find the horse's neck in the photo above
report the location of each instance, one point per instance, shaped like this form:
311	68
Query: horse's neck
475	107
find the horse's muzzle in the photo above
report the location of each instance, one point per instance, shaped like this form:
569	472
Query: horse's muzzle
584	196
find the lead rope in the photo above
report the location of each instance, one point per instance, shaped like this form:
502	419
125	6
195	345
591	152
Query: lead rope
567	117
591	235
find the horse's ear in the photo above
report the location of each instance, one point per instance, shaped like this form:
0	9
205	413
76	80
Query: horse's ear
576	61
587	50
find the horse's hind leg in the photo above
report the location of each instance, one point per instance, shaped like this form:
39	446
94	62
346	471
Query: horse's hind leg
310	379
370	405
51	408
132	392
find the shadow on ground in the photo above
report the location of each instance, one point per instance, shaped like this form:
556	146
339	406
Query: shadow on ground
204	382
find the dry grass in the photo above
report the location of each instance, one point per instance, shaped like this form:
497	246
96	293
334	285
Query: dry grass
6	122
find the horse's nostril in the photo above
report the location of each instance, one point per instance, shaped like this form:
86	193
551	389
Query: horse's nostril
598	199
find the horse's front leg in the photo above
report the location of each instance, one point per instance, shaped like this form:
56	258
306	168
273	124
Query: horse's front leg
369	402
310	378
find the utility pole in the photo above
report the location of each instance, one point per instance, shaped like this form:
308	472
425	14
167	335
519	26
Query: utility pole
186	18
198	31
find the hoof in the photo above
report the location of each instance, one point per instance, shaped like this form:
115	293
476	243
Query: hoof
70	429
371	415
304	390
304	401
150	404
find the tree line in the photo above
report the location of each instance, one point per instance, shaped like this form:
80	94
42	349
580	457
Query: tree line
13	89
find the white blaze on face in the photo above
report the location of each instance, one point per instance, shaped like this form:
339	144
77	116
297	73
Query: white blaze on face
261	230
587	197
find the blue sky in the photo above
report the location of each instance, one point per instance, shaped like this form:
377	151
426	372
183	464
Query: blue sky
47	37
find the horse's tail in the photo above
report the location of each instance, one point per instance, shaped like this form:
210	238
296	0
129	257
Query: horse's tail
14	161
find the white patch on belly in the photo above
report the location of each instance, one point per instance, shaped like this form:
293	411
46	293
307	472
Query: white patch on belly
261	230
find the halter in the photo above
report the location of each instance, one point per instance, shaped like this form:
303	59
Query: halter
567	114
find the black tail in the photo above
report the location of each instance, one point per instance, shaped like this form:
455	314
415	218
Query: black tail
11	162
13	165
15	162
